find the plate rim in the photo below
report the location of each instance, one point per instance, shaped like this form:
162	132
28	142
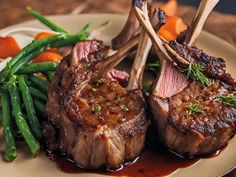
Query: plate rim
220	40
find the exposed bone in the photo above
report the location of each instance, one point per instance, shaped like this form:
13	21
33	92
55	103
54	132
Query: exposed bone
203	12
176	57
137	70
127	32
130	28
193	32
135	80
158	18
159	45
113	60
157	42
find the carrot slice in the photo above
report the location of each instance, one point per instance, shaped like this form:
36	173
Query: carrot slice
173	27
43	35
8	47
170	7
48	56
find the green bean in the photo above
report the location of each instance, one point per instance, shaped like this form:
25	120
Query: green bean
50	75
29	106
28	58
70	40
10	153
84	29
40	83
67	40
41	107
29	53
20	120
46	21
38	94
1	118
38	67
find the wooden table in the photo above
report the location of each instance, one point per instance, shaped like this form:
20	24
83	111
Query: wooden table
13	11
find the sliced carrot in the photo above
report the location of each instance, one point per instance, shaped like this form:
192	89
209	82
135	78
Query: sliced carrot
170	7
48	56
8	47
173	27
43	35
166	34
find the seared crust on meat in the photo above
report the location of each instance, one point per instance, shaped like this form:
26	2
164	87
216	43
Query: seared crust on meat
89	56
213	67
211	128
102	124
198	133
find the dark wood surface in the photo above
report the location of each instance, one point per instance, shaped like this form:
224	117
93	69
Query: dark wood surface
13	11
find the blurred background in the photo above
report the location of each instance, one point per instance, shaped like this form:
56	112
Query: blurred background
221	23
226	6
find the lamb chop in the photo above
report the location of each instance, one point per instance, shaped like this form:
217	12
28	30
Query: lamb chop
102	123
194	114
98	126
129	30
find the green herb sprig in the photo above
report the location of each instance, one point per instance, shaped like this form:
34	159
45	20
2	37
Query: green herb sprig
124	108
195	72
228	100
194	108
97	109
154	68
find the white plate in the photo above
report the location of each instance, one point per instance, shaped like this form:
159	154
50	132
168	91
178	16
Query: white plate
26	166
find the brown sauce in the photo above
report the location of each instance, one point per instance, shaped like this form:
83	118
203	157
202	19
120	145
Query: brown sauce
151	163
155	161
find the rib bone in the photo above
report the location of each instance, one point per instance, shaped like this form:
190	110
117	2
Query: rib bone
193	32
130	28
113	60
136	75
127	32
157	42
203	12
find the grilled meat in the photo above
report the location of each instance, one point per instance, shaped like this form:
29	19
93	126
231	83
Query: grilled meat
130	27
101	122
190	117
192	133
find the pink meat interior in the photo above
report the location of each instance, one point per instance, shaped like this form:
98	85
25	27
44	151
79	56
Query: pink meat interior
170	81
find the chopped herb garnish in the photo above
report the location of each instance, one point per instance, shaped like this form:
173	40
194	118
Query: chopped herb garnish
195	72
194	108
100	81
124	108
229	100
94	89
108	103
154	68
122	99
101	118
147	88
97	109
